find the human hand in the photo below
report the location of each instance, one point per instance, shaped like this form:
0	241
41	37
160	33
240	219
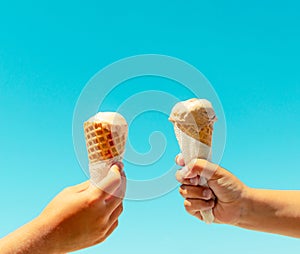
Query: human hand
84	215
224	194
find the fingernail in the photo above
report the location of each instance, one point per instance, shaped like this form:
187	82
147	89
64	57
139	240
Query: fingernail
179	160
183	191
187	203
119	164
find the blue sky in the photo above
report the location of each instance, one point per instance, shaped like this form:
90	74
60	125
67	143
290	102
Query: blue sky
248	50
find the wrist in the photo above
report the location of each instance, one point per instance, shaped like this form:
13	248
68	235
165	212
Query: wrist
46	231
248	214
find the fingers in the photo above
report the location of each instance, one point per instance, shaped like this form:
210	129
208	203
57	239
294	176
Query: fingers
201	168
111	229
195	192
113	202
113	219
189	181
116	213
181	177
197	167
194	205
195	176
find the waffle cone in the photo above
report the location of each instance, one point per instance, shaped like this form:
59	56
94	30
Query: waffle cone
103	142
202	134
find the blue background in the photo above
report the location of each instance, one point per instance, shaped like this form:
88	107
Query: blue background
248	50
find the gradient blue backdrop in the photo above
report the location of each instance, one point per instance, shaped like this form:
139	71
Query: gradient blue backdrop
248	50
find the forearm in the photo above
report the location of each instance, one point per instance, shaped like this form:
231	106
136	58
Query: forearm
272	211
31	238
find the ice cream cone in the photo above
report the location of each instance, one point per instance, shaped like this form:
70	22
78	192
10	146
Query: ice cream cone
193	125
105	135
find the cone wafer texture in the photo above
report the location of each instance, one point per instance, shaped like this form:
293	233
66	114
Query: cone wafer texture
203	135
102	143
105	138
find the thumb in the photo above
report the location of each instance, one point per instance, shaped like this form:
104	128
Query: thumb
203	168
111	182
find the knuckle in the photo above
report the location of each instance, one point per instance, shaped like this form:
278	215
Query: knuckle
102	222
193	163
93	200
201	164
205	193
